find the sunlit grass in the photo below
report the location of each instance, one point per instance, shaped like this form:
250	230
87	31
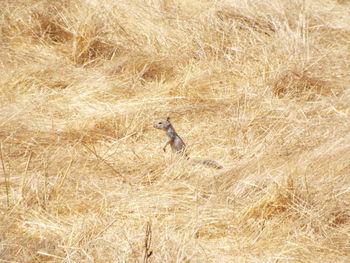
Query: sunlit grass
262	87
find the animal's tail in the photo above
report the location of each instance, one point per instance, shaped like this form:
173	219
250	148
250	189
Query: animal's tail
210	163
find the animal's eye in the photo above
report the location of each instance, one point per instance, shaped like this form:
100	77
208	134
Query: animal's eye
160	122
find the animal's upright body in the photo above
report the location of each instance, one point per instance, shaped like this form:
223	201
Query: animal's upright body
177	144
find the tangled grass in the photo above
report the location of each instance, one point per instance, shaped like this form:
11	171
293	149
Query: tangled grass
263	87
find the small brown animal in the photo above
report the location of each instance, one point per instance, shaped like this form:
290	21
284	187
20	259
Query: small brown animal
177	144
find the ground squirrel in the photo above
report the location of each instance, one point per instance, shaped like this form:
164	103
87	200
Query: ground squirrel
178	145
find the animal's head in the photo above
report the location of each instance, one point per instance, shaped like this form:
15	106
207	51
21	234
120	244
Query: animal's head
163	124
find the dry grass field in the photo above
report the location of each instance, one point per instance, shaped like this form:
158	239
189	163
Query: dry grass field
262	87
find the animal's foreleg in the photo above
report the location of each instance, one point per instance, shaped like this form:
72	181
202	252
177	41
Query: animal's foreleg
166	144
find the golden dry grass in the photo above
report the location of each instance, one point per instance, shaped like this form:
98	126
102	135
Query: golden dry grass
263	87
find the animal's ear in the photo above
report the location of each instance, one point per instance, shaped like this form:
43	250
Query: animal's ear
168	118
